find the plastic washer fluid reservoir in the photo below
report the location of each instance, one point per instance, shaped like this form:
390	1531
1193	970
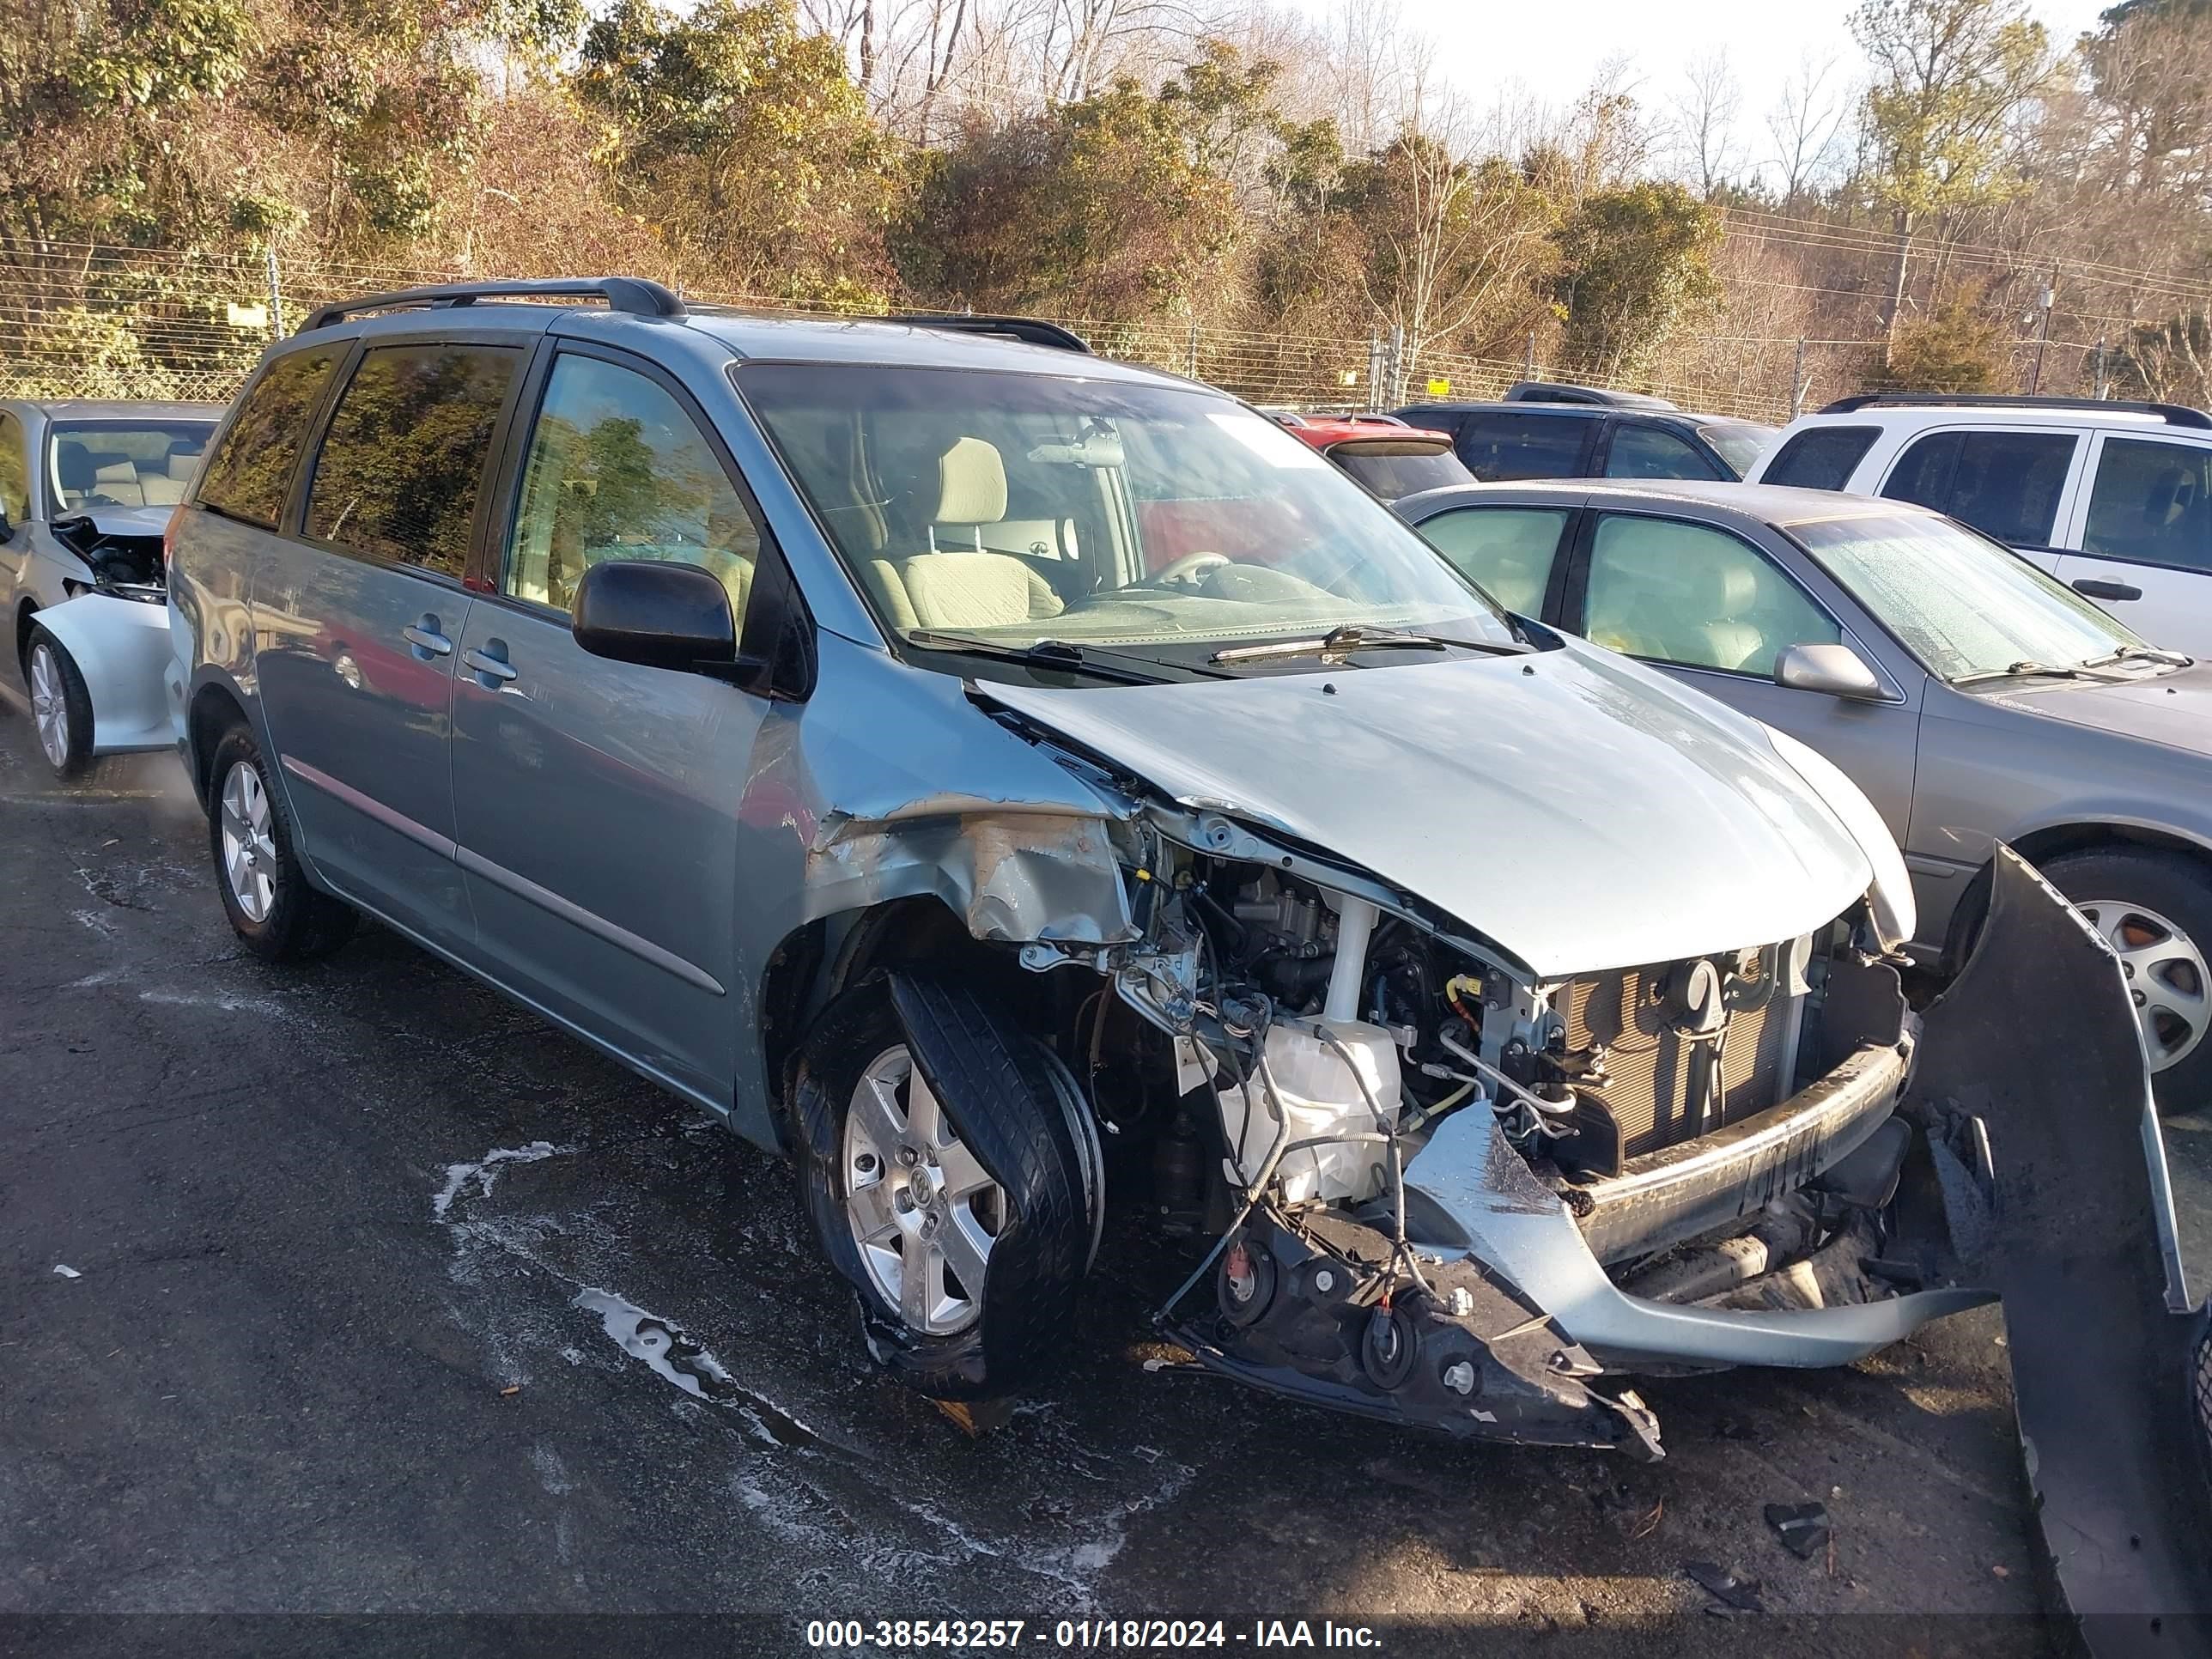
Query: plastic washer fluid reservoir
1320	1095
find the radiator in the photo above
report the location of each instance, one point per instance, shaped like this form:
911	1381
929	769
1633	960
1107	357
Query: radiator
1650	1066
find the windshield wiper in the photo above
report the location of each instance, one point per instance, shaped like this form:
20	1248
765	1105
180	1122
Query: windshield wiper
1341	642
2029	665
2139	654
1058	655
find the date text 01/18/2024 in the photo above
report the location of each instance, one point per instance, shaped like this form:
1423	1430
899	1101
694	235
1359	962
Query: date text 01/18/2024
914	1634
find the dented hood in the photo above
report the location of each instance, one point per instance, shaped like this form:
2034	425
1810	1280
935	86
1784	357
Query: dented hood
1580	811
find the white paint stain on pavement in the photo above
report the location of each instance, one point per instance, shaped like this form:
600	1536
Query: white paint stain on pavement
484	1171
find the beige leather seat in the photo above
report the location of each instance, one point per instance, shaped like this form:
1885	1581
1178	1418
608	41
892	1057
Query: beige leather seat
118	481
954	587
167	487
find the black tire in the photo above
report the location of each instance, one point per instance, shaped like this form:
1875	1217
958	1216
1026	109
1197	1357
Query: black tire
999	1091
301	922
47	657
2177	888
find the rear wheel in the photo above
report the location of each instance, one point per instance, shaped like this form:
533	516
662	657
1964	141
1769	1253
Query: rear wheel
273	907
2154	910
61	706
944	1177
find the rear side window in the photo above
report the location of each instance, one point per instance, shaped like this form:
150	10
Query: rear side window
1516	445
2152	504
251	470
1822	457
403	463
1645	452
2006	484
1507	551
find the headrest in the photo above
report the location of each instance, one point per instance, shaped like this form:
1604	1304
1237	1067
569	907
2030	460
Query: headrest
971	483
182	462
116	472
73	462
1726	590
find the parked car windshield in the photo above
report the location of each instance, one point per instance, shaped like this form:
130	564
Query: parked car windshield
1740	442
1018	508
1963	605
122	463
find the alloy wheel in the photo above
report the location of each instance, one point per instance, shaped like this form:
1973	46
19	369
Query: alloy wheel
249	847
923	1211
2166	976
49	705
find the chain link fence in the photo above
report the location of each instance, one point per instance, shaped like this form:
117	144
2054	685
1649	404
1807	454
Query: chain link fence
96	321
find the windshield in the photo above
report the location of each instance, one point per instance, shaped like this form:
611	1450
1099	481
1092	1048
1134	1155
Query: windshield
1962	605
1020	508
1396	469
122	463
1740	442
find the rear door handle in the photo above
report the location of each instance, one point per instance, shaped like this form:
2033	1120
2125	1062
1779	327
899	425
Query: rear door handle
429	638
2097	590
490	666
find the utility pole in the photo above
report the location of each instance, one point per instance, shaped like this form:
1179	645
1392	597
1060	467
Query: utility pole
2049	297
1797	381
2100	371
1528	362
276	293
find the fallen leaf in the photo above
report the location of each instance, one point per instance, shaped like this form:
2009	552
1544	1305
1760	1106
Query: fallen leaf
516	1388
2001	1572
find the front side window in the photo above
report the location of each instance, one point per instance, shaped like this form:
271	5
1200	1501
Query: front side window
1822	457
124	462
1645	452
1507	444
618	469
1686	595
1507	551
1961	604
2152	504
249	475
1028	506
403	463
2006	484
14	471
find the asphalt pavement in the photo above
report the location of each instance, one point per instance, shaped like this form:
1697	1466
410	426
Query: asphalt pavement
354	1290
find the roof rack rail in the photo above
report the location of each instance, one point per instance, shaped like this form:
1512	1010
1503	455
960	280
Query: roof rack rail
1032	331
634	295
2172	414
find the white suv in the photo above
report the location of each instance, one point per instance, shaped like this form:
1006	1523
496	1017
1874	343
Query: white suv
2114	498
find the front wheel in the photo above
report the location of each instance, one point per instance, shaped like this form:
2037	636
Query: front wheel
2154	910
61	706
276	911
948	1175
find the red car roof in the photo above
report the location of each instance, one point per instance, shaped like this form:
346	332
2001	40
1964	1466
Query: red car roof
1323	431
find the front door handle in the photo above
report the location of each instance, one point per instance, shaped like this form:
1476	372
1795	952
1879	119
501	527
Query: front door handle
2097	590
429	638
490	666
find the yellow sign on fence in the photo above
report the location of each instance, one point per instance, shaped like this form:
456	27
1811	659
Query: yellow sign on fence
1439	388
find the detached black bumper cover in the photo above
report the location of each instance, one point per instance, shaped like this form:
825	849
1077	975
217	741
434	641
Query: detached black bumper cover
2037	1038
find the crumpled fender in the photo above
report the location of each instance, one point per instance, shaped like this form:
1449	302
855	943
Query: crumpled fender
2071	1220
121	647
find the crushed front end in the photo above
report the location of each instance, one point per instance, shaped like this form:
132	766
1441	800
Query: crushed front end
1443	1191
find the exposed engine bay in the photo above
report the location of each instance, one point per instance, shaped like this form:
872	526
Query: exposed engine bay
123	566
1718	1135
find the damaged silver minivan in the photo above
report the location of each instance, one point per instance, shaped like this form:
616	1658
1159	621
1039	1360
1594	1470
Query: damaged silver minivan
1007	780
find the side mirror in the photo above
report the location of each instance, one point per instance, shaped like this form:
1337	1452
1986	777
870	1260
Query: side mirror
1835	669
660	614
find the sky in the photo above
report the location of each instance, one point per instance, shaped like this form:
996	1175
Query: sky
1555	49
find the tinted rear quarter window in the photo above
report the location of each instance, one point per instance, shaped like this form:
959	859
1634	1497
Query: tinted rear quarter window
2006	484
403	464
251	470
1512	445
1822	457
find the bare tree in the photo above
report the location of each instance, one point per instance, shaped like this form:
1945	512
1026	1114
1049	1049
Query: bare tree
1705	114
1806	127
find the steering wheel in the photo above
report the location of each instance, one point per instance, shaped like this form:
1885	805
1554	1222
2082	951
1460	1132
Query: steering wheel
1184	572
